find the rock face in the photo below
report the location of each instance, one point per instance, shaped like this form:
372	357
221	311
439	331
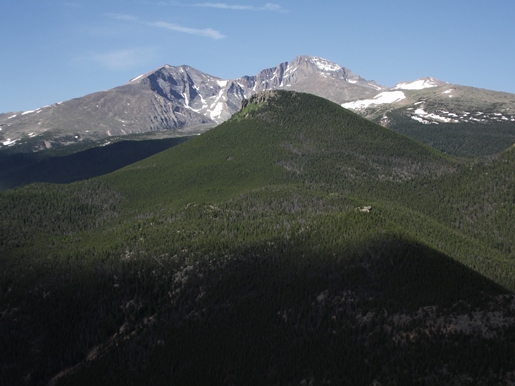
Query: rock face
258	98
184	101
179	99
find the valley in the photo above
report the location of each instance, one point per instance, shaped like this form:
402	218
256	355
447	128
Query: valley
294	243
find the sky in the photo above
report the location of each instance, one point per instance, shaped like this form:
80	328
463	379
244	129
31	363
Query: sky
55	50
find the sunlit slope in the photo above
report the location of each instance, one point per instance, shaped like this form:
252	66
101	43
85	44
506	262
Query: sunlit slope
279	137
287	141
478	199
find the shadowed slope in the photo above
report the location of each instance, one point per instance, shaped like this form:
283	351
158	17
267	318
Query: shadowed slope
295	243
21	169
282	311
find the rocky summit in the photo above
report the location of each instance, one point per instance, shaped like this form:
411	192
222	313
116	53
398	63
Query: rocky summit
178	99
183	101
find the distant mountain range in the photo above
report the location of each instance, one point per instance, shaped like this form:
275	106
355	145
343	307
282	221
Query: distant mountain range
186	101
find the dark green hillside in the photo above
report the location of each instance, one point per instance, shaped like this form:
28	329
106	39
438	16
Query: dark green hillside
460	139
280	137
51	166
479	200
297	243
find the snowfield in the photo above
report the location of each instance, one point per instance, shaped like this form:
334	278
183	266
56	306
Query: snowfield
217	111
379	99
325	65
418	84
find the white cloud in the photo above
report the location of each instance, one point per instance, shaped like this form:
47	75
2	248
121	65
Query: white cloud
266	7
206	32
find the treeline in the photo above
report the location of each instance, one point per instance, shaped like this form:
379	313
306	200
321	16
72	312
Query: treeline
459	139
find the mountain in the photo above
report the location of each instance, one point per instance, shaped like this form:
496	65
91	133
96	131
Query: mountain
295	243
459	120
183	101
179	99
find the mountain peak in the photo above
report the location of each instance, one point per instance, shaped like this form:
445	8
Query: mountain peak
181	97
165	68
321	63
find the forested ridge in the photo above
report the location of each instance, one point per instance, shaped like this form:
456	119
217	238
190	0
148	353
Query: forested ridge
297	243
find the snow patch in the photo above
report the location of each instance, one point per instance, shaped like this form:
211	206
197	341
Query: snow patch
418	84
9	142
28	112
222	83
136	78
325	65
220	94
289	71
436	117
12	116
217	111
381	98
421	120
186	99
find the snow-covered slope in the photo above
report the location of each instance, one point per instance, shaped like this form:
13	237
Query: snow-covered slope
431	101
419	84
385	97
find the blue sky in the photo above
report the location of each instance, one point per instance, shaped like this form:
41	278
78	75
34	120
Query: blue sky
55	50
